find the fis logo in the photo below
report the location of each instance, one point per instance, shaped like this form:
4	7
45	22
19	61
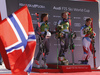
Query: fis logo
33	5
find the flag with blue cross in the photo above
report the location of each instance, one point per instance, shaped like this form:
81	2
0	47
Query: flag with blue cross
18	37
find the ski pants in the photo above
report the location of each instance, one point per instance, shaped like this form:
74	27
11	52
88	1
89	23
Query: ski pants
46	46
64	42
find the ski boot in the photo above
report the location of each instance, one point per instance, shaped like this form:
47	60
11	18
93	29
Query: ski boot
37	64
84	61
43	63
44	66
63	61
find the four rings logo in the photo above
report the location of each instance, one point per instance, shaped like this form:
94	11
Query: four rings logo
34	21
55	23
78	38
84	18
78	45
32	5
77	18
77	24
56	16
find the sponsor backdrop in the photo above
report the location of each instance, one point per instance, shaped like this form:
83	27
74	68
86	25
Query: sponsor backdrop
3	9
79	12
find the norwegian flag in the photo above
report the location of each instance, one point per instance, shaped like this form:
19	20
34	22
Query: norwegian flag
18	37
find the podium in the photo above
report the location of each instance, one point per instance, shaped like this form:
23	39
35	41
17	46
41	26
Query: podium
52	68
49	70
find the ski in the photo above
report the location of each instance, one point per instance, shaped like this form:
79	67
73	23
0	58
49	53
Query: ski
93	42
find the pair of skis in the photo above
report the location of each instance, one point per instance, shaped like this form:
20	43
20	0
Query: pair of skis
93	48
71	37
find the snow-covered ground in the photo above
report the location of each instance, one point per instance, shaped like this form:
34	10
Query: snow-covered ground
3	70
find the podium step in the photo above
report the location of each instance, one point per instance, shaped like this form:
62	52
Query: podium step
49	70
95	69
71	68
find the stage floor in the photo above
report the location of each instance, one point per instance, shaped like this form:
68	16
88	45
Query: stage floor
78	73
4	71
